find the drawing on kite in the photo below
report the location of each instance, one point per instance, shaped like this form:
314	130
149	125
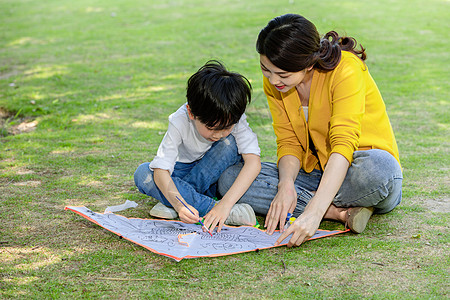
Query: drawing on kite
153	229
179	240
204	240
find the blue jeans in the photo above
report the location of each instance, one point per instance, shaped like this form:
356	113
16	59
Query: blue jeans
196	181
374	179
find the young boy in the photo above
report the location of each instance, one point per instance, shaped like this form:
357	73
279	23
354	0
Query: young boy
204	137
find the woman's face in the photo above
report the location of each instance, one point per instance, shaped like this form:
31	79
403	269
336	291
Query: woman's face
282	80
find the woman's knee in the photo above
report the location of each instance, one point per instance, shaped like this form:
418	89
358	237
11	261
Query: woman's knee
374	179
393	199
228	177
374	167
268	175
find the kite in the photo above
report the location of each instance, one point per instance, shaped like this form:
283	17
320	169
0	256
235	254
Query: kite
179	240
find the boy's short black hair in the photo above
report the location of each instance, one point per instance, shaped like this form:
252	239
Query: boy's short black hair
217	97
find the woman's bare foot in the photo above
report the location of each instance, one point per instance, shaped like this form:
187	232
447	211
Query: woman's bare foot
354	218
336	214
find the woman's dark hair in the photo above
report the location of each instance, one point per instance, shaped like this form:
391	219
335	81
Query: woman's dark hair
217	97
292	43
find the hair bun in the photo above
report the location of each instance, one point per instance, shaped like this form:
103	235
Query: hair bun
329	53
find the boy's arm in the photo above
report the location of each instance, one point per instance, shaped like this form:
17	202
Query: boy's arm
220	212
166	185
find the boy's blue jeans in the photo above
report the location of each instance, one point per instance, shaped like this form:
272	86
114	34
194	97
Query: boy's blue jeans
196	181
374	179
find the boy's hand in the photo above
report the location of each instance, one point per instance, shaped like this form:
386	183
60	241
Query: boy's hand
217	216
186	216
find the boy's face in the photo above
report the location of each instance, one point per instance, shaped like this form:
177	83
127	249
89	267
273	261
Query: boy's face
211	134
208	133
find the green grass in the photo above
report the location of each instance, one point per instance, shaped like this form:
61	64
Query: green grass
100	79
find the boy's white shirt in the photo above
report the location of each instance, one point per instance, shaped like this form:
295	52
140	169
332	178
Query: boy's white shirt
183	143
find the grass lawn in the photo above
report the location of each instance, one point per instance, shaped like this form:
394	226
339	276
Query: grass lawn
85	91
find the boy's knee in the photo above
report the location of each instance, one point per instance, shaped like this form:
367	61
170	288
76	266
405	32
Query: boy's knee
228	143
143	174
224	152
230	140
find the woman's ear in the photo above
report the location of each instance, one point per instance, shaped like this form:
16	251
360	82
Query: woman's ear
191	116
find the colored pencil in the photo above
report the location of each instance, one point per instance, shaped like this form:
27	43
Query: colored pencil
203	225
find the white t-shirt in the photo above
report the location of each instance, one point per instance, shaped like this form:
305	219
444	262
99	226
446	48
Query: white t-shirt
183	143
305	111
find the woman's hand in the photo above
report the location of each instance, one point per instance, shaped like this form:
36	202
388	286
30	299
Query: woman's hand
303	228
217	216
308	222
186	216
283	203
286	198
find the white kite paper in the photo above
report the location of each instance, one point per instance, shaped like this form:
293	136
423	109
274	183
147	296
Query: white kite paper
116	208
179	240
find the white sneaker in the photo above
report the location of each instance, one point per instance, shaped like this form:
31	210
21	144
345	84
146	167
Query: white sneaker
162	211
241	214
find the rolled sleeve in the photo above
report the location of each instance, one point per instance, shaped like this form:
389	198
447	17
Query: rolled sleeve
287	141
168	150
246	139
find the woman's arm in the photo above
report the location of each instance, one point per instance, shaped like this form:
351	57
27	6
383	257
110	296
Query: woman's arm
286	198
166	185
308	222
220	212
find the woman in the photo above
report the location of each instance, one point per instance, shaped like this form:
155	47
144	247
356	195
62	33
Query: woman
337	154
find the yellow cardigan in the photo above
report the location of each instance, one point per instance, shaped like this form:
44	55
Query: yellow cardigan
346	113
